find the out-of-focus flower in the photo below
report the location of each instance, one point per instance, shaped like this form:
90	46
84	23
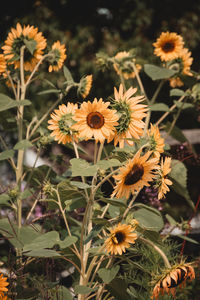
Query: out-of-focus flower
120	238
58	56
157	143
168	46
131	112
162	182
2	64
33	41
95	119
136	174
123	65
3	285
85	86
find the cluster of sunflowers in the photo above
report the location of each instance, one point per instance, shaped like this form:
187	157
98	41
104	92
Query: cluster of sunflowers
122	121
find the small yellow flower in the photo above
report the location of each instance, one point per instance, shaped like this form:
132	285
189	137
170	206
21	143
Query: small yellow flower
172	278
19	37
163	181
85	86
61	123
120	238
95	119
168	46
124	65
2	64
58	56
157	143
136	174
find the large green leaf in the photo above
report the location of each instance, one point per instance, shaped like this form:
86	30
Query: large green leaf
46	240
7	102
67	242
67	75
6	154
176	92
148	219
156	72
4	199
107	275
81	167
62	293
42	253
81	289
159	107
106	164
118	289
23	144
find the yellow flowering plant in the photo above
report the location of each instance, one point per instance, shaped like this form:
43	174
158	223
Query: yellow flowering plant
88	219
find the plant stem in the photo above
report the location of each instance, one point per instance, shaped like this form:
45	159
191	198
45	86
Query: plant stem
162	254
139	81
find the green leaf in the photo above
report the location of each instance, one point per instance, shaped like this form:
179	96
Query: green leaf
24	102
159	107
80	185
46	240
115	201
155	72
4	199
171	220
6	154
50	91
81	167
118	289
6	102
68	75
107	275
183	105
184	237
81	289
23	144
30	45
62	293
67	242
42	253
93	233
177	92
149	219
106	164
176	133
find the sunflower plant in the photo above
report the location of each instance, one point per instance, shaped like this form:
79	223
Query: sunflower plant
89	221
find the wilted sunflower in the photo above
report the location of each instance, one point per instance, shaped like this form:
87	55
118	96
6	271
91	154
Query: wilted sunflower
120	238
157	143
2	64
95	119
172	278
136	174
27	36
183	64
168	46
85	86
61	123
3	284
131	113
57	57
163	182
124	65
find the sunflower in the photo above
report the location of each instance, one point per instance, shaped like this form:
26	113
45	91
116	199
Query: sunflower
27	36
157	143
85	86
95	119
2	64
3	284
163	182
120	238
172	278
61	123
57	57
168	46
131	113
136	174
124	65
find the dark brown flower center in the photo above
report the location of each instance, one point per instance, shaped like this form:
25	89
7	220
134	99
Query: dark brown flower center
134	175
168	47
118	238
173	283
95	120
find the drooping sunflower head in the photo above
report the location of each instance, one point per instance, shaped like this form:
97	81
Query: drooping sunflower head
85	86
131	113
31	39
61	123
123	65
168	46
136	174
162	182
156	142
57	56
3	285
120	238
2	64
172	278
95	119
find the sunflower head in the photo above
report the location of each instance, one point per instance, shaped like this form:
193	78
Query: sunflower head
32	41
2	64
123	65
162	182
168	46
57	56
172	278
85	86
120	238
61	123
156	142
3	285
